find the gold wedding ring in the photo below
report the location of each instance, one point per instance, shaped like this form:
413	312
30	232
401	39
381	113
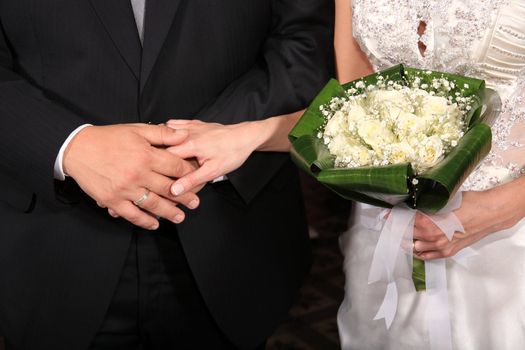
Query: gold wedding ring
142	199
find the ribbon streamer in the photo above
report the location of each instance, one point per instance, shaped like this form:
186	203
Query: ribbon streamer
393	261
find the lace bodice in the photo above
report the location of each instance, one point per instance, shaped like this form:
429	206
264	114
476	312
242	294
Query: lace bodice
480	38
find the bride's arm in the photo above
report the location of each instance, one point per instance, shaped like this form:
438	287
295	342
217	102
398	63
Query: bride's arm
351	62
220	149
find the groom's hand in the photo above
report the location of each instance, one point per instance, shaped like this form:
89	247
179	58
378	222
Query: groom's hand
124	170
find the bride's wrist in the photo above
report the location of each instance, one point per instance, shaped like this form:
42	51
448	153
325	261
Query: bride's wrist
262	132
516	195
274	132
255	133
509	199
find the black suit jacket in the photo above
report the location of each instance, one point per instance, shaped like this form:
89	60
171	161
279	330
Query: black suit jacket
64	63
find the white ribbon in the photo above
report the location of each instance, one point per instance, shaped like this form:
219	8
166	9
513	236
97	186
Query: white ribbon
387	264
393	260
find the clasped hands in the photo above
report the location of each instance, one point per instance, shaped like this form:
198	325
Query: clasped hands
128	170
142	172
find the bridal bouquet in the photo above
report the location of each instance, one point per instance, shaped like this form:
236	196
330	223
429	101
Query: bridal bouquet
400	135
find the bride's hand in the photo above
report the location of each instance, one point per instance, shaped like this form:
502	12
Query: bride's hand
219	149
481	214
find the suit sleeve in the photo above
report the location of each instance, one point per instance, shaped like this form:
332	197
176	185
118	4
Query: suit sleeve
295	63
33	129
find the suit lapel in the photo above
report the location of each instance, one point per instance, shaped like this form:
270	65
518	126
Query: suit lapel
119	21
159	17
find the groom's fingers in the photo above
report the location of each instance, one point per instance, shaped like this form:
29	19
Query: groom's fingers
207	172
161	135
133	214
169	164
161	207
181	122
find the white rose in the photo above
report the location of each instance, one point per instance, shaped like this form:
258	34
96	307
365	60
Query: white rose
401	152
410	124
429	152
392	97
344	120
355	114
451	128
338	145
347	150
433	105
375	134
361	155
341	144
419	93
335	125
454	114
390	113
389	103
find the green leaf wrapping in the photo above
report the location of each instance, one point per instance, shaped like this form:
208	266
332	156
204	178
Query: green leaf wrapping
389	185
439	183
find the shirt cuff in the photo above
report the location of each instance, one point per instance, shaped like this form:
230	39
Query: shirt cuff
219	179
59	170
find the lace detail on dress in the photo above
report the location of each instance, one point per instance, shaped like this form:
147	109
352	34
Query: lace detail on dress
453	28
506	160
502	53
503	67
459	28
389	37
480	38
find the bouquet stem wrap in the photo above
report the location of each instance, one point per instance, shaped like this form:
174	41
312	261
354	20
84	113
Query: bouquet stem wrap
393	260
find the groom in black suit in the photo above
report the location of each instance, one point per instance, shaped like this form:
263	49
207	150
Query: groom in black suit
73	75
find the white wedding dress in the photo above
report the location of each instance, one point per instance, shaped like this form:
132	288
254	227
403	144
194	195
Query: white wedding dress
484	39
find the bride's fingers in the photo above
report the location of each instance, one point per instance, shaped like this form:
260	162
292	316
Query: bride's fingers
426	230
423	246
449	250
417	256
427	235
430	255
184	151
206	173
